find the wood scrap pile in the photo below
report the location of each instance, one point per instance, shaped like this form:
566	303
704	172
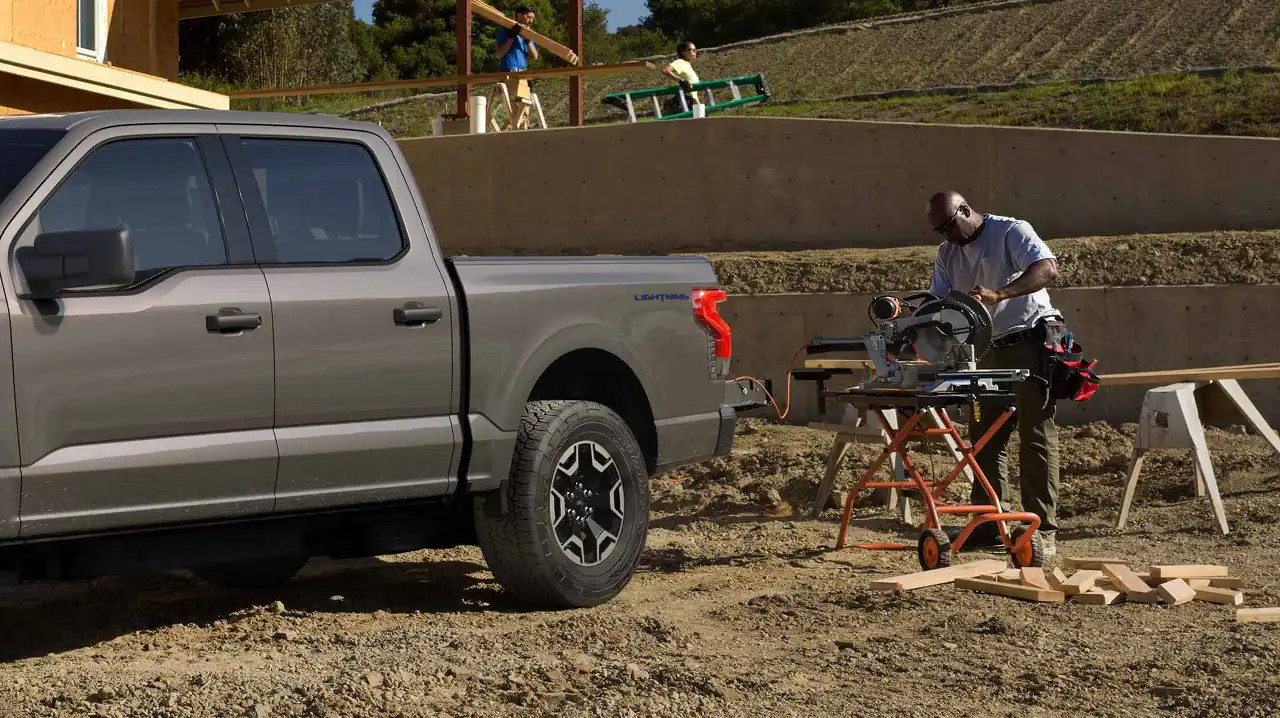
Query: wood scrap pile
1096	581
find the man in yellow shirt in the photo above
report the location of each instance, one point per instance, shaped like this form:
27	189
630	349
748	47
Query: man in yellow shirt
681	70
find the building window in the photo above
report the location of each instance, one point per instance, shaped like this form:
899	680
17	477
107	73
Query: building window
91	24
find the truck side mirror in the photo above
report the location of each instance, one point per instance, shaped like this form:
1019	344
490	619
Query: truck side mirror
77	258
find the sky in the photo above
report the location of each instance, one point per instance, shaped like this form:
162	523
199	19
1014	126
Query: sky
621	12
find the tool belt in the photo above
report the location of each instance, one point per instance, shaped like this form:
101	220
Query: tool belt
1069	374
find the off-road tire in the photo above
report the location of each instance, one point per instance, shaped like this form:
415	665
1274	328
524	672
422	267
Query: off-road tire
1034	557
515	528
258	573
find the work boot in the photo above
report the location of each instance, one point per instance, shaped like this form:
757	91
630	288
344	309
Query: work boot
1050	544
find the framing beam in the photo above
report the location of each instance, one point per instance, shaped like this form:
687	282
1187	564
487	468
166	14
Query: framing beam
543	42
462	60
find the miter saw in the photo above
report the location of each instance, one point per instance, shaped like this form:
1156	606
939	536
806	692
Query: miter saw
925	344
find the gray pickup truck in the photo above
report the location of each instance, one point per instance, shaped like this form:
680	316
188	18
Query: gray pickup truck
233	344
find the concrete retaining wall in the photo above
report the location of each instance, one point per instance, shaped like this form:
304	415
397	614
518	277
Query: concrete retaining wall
1128	329
761	183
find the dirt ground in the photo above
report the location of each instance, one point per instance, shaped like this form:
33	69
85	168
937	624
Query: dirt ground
1251	257
739	609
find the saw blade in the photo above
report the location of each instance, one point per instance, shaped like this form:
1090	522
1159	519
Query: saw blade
969	320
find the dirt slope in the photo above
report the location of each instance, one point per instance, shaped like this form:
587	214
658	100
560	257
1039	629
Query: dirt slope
1137	260
738	610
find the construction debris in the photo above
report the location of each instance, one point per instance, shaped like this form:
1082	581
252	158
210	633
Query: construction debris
1090	562
937	577
1165	573
1035	577
1124	579
1100	597
1258	615
1081	582
1176	592
1028	593
1225	596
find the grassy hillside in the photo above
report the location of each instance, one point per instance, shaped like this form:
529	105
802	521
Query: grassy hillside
1062	40
1240	103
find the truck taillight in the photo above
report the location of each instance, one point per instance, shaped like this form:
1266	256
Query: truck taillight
706	310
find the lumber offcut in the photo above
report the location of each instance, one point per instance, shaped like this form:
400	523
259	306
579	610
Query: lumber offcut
1226	596
1257	615
1027	593
1176	592
1227	582
1134	589
495	16
1164	573
1080	582
1056	579
1035	576
1090	562
938	576
1100	597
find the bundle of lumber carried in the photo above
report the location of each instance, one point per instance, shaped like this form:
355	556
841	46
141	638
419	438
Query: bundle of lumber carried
1096	581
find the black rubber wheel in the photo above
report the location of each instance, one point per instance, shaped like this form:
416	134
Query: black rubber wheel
576	512
258	573
1034	555
933	549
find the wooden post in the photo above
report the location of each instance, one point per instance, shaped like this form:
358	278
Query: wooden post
462	22
575	44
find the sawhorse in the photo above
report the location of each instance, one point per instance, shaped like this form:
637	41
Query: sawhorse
1172	419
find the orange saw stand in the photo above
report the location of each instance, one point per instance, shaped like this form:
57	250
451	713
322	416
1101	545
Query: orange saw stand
934	547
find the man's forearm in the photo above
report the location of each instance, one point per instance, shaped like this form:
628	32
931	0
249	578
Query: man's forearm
1038	276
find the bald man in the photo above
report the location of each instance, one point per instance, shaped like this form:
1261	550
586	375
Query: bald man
1001	262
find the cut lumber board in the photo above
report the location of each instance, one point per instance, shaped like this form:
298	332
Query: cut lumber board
1056	579
1227	582
1100	597
1258	615
1226	596
496	17
1090	562
1125	580
1027	593
938	576
852	364
1080	582
1176	592
1012	575
1164	573
1172	376
1197	582
1035	577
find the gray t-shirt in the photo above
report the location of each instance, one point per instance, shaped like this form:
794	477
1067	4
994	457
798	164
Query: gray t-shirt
1000	254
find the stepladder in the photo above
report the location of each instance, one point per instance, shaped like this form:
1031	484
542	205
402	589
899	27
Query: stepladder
858	426
508	113
1173	417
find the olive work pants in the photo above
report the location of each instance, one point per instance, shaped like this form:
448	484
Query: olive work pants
1037	434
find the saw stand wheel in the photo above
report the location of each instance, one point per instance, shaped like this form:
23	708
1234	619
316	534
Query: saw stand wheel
933	549
1032	554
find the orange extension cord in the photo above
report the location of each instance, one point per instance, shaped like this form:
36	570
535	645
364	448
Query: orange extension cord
782	413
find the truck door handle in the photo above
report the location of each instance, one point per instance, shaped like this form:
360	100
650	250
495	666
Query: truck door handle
231	320
417	316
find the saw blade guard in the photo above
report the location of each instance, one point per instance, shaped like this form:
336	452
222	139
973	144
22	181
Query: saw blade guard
952	320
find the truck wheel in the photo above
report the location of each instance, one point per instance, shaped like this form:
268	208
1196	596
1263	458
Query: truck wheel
576	510
258	573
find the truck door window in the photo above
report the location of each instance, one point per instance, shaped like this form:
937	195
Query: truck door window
326	202
157	188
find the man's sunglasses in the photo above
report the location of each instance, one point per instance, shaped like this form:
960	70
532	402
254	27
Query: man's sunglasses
945	226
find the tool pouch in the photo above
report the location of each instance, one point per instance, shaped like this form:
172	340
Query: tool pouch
1070	375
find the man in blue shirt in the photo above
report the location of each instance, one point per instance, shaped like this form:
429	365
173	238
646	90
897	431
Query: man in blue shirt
514	53
1003	263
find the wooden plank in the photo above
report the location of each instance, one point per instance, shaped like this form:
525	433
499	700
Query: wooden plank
495	16
1197	582
1188	571
939	576
1172	376
1100	597
1012	575
1027	593
1227	582
1176	592
1258	615
1226	596
450	81
1090	562
1056	579
852	364
1035	577
1134	588
1080	582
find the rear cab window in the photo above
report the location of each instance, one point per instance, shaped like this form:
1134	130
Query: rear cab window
20	150
323	201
